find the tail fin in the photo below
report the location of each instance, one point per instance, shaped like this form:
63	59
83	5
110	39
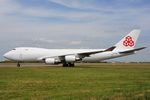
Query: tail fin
129	41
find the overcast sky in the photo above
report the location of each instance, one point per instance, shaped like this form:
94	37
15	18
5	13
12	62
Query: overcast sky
73	24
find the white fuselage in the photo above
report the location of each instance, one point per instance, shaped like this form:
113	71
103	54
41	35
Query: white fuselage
69	56
37	54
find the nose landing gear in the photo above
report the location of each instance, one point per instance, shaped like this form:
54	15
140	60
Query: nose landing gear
18	64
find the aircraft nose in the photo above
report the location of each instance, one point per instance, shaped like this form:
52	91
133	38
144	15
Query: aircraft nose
11	55
6	55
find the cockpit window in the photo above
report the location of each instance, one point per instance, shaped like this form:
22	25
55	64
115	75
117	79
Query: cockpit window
14	49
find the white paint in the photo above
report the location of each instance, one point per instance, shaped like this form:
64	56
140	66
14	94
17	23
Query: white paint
55	56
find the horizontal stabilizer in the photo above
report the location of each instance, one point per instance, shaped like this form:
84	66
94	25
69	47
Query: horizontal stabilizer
132	51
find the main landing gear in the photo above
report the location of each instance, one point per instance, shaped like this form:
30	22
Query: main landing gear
68	65
18	64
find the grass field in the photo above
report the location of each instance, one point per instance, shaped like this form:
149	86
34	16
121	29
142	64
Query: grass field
84	82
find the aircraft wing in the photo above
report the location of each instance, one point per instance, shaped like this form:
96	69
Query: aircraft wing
80	55
87	54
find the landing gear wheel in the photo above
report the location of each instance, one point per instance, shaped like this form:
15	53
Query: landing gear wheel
68	64
71	64
65	65
18	64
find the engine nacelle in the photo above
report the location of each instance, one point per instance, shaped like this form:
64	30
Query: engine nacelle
51	61
71	58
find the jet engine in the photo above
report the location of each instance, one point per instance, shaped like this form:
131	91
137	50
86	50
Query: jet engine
52	61
71	58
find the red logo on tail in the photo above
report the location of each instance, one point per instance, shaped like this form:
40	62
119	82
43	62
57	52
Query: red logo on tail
128	41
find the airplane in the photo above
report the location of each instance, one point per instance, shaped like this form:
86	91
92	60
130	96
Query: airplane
67	57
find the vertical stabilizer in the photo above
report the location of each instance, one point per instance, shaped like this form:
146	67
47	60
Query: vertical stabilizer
129	41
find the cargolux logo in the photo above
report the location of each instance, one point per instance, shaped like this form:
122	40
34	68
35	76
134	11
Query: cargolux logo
128	41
